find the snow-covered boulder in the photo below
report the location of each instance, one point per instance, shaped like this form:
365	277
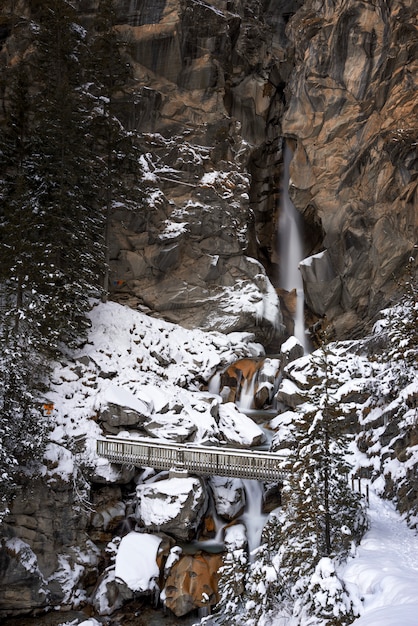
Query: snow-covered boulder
235	537
291	350
228	495
171	426
136	562
109	473
237	429
289	394
123	409
174	506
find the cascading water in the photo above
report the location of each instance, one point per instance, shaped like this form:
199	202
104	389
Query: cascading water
290	241
246	396
253	518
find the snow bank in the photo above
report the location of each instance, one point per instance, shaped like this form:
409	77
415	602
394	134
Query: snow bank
383	576
136	561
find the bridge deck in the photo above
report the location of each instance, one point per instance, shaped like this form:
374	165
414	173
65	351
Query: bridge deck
202	460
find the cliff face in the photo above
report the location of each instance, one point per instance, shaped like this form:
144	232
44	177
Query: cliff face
217	88
352	112
207	100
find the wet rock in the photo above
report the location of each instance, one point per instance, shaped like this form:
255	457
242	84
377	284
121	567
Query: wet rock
351	116
272	497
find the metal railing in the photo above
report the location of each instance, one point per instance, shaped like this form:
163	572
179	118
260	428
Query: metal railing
201	460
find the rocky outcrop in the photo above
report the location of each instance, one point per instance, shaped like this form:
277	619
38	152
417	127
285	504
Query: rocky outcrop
201	100
228	495
352	119
46	558
192	583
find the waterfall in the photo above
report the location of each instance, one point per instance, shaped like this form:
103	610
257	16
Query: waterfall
246	394
253	518
290	241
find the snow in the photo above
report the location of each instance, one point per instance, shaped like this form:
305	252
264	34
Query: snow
237	427
308	260
289	344
136	561
163	501
144	363
383	575
123	397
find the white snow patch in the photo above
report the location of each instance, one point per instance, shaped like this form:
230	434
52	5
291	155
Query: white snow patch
136	561
383	576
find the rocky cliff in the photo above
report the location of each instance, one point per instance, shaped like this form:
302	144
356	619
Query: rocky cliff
352	112
219	87
217	90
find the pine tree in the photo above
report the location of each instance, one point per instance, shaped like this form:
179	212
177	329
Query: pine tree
115	147
23	428
232	574
49	226
263	585
323	516
66	220
326	598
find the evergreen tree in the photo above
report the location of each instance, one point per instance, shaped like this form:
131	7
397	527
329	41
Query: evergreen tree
115	148
326	601
23	428
66	222
232	578
49	225
323	516
262	586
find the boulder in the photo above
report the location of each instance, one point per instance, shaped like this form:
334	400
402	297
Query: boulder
192	583
124	409
228	495
237	429
174	506
136	564
171	426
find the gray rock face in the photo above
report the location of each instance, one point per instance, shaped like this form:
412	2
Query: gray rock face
45	554
229	496
201	101
352	119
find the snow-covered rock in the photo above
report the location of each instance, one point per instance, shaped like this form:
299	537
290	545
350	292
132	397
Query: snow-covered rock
228	495
237	429
136	562
173	505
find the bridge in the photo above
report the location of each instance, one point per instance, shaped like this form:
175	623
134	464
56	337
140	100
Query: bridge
201	460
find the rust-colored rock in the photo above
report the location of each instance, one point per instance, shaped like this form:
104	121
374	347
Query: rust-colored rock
192	583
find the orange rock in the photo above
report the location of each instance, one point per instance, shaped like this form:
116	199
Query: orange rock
192	583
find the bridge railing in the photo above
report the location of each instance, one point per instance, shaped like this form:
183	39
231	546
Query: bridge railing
202	460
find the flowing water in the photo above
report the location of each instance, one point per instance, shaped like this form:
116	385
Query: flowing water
290	241
253	518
